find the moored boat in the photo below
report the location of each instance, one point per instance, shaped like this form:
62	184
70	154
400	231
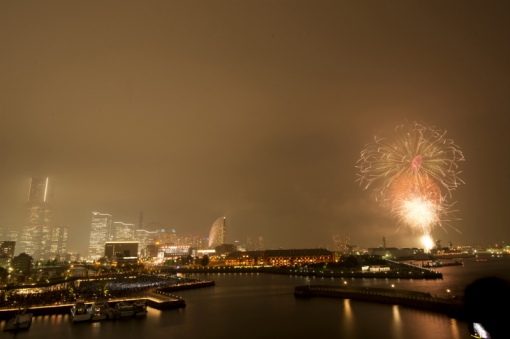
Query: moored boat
140	308
79	312
97	311
125	309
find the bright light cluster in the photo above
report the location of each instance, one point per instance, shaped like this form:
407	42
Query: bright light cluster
407	168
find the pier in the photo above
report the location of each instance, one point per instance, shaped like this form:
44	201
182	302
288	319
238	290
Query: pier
425	301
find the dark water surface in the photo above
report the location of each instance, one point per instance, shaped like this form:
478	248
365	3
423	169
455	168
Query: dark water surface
263	306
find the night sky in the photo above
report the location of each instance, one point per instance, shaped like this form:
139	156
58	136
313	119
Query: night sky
257	110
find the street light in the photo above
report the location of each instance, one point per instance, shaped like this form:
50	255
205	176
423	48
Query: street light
392	286
448	290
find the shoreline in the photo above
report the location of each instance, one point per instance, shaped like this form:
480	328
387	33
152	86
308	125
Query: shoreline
159	299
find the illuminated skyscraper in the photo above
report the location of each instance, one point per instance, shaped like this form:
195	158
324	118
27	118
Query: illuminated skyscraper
218	232
100	231
36	235
123	231
58	241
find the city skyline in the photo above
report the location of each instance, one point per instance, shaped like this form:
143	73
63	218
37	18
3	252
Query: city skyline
258	113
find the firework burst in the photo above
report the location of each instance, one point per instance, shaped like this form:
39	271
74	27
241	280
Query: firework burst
407	170
410	150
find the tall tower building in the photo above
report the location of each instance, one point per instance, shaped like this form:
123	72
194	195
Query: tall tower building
100	231
140	221
36	235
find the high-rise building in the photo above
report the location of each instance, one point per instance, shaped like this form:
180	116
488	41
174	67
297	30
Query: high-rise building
7	248
145	238
260	244
342	243
123	231
58	245
217	235
100	232
36	235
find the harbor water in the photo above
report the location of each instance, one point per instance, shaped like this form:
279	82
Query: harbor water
251	305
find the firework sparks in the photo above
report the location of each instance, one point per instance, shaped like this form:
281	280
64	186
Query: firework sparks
411	150
407	170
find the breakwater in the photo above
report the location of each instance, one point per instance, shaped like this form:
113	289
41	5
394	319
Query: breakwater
425	301
397	270
186	286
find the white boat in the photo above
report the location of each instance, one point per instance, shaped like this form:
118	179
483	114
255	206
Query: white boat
21	321
79	312
124	309
140	308
97	311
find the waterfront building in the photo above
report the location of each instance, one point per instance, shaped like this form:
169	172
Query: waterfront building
225	249
217	234
248	258
121	249
281	257
36	235
100	232
298	257
398	253
173	252
123	231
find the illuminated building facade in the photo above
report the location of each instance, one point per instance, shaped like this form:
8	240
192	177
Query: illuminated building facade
121	249
173	251
248	258
123	231
298	257
217	235
36	235
100	231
